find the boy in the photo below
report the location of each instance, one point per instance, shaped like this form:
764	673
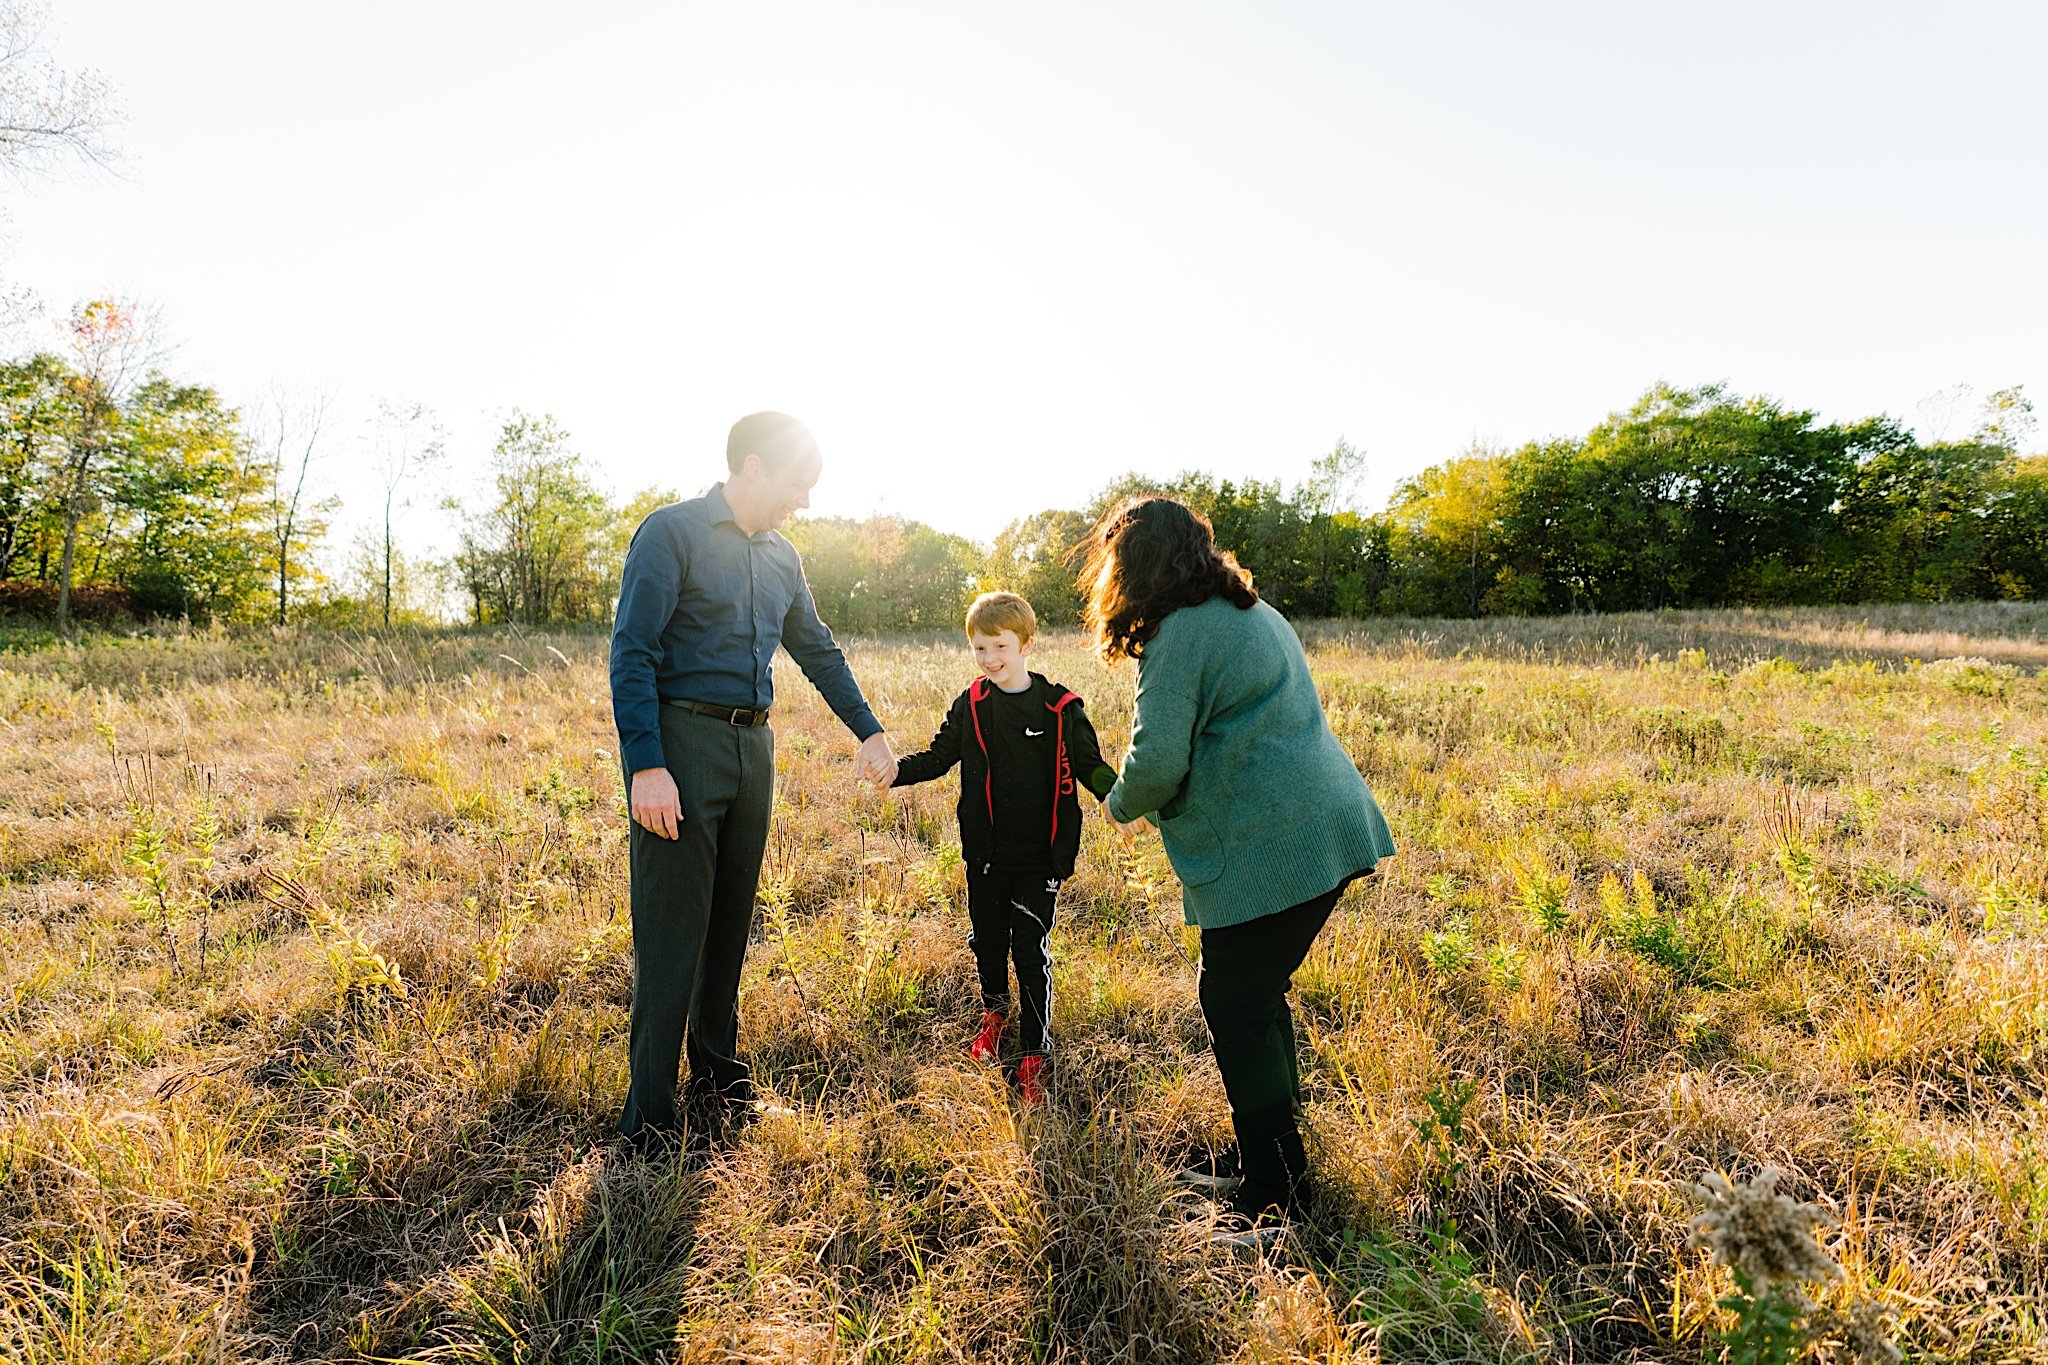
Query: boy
1021	742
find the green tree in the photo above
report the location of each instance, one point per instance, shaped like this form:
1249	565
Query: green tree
2015	553
885	573
34	424
188	504
619	537
539	552
1336	538
1911	522
1444	527
1035	557
1691	497
111	347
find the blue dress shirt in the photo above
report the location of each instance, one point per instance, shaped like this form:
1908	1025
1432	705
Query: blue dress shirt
702	606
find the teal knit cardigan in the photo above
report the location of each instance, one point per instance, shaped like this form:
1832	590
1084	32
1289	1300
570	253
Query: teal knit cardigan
1257	803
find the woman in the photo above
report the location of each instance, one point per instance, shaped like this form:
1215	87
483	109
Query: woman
1264	818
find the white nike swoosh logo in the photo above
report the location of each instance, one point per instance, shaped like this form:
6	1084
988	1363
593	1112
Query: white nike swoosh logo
1031	733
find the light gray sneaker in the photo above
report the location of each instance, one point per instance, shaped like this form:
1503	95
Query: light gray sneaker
1251	1243
1216	1177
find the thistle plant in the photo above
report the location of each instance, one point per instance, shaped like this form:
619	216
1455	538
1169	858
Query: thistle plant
2008	913
103	726
494	952
934	886
1766	1239
355	969
1635	921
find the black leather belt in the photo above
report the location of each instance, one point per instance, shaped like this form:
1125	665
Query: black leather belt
744	716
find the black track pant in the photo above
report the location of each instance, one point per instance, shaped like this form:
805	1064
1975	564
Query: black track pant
1010	914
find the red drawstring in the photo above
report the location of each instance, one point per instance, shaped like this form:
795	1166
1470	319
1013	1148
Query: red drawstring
988	783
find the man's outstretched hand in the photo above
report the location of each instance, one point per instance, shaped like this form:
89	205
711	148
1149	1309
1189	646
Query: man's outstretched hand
877	761
657	805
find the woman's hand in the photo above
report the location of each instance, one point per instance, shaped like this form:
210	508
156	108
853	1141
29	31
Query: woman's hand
1131	829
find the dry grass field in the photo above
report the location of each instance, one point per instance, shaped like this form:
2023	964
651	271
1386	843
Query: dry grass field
314	971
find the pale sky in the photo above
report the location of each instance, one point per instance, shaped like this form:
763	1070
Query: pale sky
995	255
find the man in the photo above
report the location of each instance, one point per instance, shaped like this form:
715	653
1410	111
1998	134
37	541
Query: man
708	593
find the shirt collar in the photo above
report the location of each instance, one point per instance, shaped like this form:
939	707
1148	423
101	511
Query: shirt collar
721	510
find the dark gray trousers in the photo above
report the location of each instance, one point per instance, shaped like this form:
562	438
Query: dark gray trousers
693	911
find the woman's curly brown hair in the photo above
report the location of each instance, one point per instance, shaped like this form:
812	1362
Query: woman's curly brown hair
1149	557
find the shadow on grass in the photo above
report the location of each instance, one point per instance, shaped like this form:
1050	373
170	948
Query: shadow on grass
1128	1275
598	1270
375	1221
1451	1279
515	1239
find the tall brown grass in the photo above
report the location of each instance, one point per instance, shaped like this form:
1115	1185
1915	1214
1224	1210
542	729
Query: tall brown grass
315	970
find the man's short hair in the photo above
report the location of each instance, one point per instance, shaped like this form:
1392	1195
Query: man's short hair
995	612
779	439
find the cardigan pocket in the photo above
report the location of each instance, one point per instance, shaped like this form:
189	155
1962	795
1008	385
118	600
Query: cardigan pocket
1192	847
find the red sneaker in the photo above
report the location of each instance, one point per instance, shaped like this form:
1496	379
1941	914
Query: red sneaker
1030	1089
988	1043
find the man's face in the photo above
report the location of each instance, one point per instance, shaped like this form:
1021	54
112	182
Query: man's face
771	497
1002	658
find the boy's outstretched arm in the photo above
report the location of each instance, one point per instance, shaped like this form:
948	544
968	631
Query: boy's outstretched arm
1089	769
936	760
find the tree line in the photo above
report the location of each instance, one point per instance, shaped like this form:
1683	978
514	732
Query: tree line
1698	497
1689	498
127	494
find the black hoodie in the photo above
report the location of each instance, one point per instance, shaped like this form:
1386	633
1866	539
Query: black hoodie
1019	755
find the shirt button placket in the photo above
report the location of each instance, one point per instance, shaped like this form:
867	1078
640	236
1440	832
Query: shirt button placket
754	612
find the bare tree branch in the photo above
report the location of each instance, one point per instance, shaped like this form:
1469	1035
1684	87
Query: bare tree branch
48	115
290	441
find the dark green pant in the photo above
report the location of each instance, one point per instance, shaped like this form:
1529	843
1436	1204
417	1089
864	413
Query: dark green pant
693	910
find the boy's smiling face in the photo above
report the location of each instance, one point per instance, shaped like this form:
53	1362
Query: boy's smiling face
1003	659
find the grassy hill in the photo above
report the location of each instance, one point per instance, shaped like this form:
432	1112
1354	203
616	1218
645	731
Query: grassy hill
314	973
